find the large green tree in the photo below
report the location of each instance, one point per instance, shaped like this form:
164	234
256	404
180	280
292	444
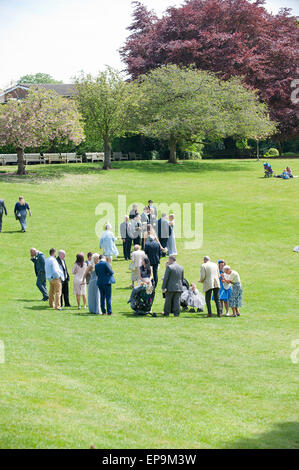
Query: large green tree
38	78
43	117
184	103
107	103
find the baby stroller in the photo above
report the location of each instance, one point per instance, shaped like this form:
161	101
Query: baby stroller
268	172
142	299
190	298
186	286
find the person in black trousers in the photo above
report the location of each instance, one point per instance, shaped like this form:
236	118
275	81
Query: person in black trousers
38	259
153	251
125	233
65	280
164	231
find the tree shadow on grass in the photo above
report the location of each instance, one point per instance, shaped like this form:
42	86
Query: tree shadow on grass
282	436
47	172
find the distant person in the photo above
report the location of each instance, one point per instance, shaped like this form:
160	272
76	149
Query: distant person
133	212
145	221
164	230
209	276
105	280
171	243
20	212
172	287
53	275
107	243
232	277
125	233
2	210
93	290
39	260
78	270
88	263
152	250
64	280
137	257
136	230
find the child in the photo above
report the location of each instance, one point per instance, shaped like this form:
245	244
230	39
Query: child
193	298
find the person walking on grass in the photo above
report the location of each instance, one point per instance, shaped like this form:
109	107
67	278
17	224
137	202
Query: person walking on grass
65	279
105	280
78	270
172	286
39	260
20	212
232	277
107	243
209	276
2	210
93	290
54	275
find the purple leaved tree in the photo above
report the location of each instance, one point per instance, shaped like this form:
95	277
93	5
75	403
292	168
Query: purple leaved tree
41	118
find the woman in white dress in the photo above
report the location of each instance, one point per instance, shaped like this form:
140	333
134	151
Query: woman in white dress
171	244
79	281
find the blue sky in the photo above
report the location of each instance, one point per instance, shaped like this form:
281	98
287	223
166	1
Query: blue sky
62	37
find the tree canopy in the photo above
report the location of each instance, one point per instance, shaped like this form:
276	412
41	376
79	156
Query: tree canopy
228	37
184	103
41	118
38	78
106	103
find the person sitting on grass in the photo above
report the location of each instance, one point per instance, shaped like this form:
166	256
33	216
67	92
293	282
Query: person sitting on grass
193	298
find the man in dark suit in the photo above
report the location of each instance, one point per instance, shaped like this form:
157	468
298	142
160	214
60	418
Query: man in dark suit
164	230
172	287
64	280
2	209
153	251
105	279
125	233
38	259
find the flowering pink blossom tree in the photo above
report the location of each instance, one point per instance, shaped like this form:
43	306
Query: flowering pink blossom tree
41	118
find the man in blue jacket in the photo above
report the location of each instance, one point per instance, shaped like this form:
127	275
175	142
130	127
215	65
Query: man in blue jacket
38	259
105	279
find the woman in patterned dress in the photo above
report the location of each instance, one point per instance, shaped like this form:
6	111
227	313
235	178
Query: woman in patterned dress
232	277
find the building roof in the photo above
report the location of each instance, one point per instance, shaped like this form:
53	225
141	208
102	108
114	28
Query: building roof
19	91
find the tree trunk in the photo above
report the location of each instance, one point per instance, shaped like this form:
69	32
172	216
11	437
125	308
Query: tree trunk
172	150
21	162
107	159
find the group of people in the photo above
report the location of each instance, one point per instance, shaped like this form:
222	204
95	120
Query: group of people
286	173
20	211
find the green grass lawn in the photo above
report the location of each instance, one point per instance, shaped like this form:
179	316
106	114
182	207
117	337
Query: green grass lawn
71	379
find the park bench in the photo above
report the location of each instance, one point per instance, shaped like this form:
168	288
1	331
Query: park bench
118	156
52	157
95	156
9	158
33	158
134	156
71	157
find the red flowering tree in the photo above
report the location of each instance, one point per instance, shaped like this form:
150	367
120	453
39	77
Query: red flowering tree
228	37
41	118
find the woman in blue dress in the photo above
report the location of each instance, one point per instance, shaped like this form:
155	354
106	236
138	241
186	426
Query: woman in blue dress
20	212
107	243
225	289
93	290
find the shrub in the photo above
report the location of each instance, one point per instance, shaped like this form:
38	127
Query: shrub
272	152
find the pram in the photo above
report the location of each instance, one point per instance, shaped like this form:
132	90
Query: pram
192	299
142	299
268	172
186	286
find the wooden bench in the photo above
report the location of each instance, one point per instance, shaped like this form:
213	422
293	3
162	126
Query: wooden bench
95	156
33	158
72	157
52	157
9	158
134	156
118	156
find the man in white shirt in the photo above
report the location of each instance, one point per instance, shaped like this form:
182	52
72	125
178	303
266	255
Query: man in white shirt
54	274
209	276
